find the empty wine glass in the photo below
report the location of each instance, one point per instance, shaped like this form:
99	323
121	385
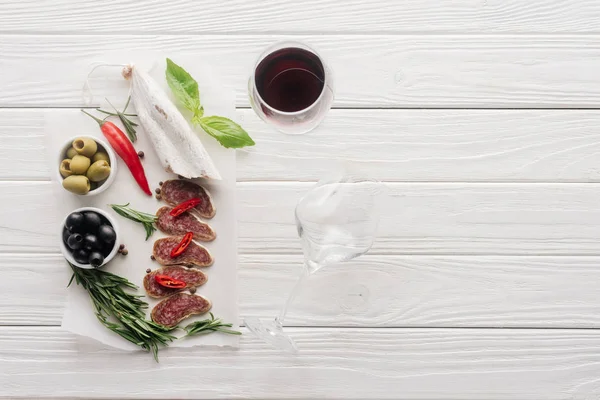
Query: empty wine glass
336	221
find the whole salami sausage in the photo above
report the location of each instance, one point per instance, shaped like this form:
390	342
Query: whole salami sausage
182	224
192	278
176	191
178	307
194	256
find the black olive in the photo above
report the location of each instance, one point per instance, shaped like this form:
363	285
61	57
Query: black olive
96	259
74	222
104	220
65	235
107	248
107	234
81	256
91	242
75	241
92	221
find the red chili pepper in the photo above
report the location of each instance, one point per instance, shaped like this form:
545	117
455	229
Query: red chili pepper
183	245
168	282
185	206
123	147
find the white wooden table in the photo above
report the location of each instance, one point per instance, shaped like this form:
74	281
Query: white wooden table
481	114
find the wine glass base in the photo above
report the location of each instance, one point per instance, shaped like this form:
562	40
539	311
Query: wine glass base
272	333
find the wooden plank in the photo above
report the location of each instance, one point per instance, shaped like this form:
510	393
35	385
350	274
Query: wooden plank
375	290
460	218
423	71
341	364
392	145
312	16
422	218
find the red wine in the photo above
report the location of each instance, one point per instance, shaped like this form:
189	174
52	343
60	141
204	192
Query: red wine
290	79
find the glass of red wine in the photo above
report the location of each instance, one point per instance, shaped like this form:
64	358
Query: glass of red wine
291	87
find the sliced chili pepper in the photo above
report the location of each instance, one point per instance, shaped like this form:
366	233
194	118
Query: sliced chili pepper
123	147
185	206
183	245
168	282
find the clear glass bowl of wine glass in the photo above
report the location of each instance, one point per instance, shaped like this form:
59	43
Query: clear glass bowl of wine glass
291	87
336	221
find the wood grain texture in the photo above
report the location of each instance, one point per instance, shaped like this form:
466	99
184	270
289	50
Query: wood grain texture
375	290
391	145
371	71
302	17
518	219
334	364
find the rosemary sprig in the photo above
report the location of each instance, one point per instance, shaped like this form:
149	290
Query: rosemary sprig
208	326
127	123
137	216
121	311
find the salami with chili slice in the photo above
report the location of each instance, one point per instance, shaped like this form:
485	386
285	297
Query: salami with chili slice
172	310
193	256
182	224
176	191
191	276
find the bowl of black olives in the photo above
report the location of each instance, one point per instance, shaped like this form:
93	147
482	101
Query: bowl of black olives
89	238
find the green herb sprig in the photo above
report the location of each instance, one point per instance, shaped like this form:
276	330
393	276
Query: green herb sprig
113	303
124	117
185	88
208	326
143	218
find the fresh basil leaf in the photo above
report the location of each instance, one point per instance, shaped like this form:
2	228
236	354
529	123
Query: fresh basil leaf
197	117
184	87
227	132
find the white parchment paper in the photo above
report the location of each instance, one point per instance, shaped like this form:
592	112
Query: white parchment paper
221	287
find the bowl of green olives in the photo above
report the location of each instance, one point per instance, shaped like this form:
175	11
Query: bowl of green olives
86	166
89	237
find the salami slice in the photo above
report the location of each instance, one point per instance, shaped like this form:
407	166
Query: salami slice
192	277
176	191
194	256
178	307
182	224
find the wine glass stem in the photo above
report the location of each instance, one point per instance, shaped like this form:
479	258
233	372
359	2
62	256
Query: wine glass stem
292	296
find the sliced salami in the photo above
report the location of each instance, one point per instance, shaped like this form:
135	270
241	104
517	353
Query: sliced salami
182	224
192	278
194	256
176	191
178	307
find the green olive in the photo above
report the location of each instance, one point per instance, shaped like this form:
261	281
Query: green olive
85	146
71	152
101	155
98	171
80	164
77	184
65	168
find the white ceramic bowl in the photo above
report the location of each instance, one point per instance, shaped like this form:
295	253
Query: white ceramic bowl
111	155
67	253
